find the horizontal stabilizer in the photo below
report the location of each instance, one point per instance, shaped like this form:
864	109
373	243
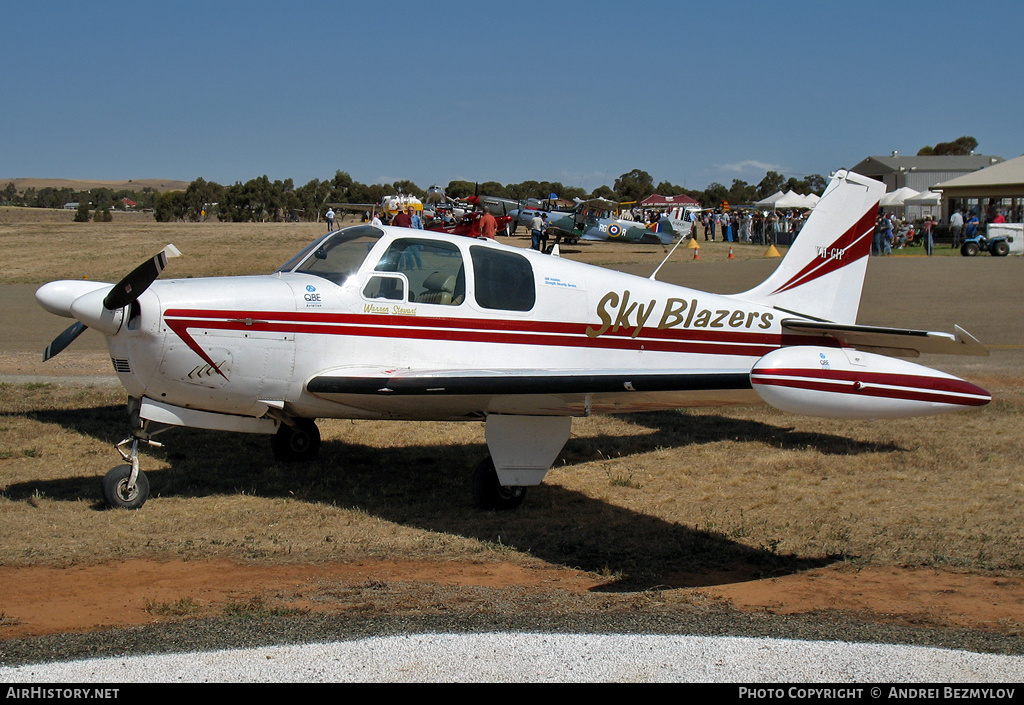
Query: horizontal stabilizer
894	342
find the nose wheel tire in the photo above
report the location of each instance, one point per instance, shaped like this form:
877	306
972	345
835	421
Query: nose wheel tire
296	443
488	492
119	492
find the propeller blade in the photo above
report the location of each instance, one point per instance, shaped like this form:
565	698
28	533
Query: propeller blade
138	280
64	339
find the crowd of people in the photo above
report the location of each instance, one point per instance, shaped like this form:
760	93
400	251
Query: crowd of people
895	233
749	225
740	225
892	232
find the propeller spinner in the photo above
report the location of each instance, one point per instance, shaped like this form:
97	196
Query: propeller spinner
98	305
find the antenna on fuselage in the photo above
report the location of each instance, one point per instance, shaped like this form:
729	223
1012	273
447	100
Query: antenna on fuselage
655	272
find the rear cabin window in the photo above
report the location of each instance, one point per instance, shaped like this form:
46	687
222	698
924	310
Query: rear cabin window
502	280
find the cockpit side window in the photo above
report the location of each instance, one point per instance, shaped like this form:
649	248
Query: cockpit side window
502	280
338	256
385	286
432	267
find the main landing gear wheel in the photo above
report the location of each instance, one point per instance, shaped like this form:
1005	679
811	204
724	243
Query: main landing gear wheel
297	443
119	491
489	494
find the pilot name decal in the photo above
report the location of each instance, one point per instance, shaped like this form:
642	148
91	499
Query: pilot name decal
619	312
393	310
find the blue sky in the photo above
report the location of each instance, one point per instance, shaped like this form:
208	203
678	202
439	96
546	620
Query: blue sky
576	92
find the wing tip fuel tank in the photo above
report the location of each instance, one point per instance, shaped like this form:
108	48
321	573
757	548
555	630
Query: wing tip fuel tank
848	383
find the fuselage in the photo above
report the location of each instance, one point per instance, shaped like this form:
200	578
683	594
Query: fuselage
431	303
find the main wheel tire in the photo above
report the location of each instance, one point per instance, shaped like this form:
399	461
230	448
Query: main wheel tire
488	492
117	492
1000	248
300	443
969	249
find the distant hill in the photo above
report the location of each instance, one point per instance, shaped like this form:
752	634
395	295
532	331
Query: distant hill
160	185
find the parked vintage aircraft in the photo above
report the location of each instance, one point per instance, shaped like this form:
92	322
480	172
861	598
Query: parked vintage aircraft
388	207
592	220
394	323
459	216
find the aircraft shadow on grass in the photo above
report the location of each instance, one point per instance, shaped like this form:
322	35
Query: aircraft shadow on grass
427	487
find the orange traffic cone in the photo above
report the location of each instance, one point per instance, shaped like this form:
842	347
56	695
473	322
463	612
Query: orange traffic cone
731	255
696	254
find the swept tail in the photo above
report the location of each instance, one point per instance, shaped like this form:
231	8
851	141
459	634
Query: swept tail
822	274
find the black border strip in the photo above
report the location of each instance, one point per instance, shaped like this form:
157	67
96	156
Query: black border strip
529	384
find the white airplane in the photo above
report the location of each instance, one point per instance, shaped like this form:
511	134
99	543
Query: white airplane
392	323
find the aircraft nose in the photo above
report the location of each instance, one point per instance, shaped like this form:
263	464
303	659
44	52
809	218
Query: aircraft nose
89	309
57	297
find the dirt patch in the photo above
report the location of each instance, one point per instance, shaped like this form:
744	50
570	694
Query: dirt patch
916	596
44	600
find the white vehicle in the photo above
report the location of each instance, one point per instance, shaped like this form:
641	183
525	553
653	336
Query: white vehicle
393	323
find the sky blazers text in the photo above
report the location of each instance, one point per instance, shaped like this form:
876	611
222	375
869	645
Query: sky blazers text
619	312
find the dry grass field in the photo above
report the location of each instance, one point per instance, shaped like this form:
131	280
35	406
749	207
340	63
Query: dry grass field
913	522
160	185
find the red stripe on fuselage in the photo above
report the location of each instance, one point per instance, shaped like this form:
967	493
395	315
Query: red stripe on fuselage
496	331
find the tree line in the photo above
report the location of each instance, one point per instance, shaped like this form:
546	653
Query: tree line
98	198
262	200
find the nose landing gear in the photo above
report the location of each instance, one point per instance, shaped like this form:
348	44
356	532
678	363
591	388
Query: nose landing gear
125	486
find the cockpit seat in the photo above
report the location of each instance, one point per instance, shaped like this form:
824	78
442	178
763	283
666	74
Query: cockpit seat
438	289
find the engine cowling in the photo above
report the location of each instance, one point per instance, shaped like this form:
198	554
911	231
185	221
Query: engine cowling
848	383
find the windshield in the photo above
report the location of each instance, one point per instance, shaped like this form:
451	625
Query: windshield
337	256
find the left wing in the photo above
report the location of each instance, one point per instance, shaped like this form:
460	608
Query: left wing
467	394
405	382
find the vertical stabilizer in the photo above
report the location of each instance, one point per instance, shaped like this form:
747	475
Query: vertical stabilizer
823	273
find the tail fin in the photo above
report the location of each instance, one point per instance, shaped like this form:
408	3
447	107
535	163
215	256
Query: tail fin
822	275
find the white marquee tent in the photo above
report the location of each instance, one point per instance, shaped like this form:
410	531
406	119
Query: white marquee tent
925	198
780	200
899	196
925	203
768	203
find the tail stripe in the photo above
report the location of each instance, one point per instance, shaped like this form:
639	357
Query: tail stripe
849	247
